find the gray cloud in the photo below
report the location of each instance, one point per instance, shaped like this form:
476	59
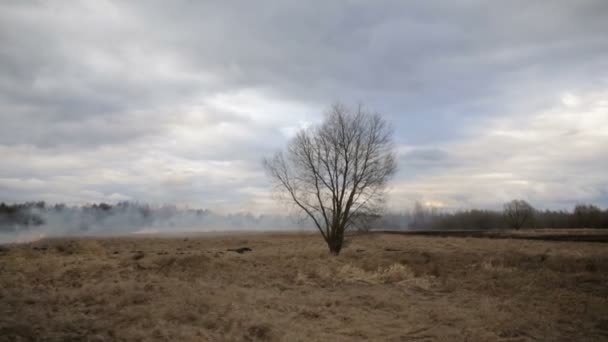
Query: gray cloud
178	101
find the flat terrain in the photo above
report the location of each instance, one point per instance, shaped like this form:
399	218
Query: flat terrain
383	287
585	235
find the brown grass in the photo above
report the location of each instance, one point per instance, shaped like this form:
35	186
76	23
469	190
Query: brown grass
382	288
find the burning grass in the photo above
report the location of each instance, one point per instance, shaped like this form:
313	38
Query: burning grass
382	287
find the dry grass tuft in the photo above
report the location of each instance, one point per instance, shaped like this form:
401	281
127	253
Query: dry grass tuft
395	273
496	266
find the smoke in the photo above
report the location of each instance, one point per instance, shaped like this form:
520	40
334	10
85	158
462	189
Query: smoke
28	222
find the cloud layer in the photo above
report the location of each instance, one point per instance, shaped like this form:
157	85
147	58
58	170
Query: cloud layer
176	102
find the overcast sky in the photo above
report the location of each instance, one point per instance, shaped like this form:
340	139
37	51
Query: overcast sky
178	101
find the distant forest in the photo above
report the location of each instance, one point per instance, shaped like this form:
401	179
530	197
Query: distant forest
129	216
424	218
126	217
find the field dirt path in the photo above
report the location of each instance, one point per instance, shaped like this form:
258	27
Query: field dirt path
288	288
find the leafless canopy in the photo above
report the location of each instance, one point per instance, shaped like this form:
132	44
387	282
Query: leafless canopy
517	212
337	172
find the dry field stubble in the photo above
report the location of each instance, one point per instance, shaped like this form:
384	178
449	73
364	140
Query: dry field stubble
381	288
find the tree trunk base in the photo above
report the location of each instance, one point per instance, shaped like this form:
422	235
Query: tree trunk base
335	246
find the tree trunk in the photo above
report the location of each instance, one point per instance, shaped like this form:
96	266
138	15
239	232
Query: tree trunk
335	247
335	241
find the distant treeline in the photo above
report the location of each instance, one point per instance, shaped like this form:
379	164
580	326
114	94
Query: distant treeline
581	216
125	217
20	214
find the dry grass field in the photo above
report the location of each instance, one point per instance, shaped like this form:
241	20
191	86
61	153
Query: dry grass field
288	288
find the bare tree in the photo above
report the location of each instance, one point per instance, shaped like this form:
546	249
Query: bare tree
517	212
336	172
